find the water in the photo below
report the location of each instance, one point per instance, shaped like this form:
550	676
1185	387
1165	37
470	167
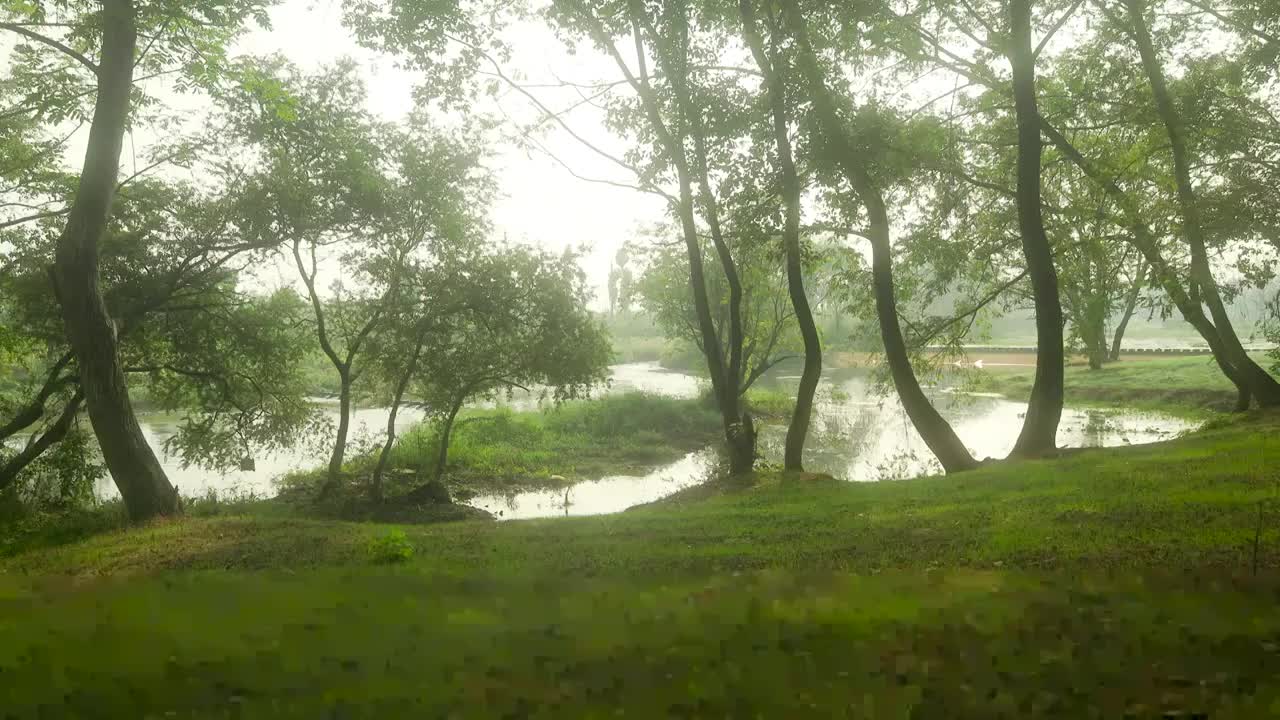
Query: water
606	495
856	434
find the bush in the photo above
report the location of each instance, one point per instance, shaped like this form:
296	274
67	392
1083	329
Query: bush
394	547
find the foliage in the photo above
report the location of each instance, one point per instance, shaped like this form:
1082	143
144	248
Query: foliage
525	325
393	547
767	316
446	41
62	478
399	205
190	337
770	403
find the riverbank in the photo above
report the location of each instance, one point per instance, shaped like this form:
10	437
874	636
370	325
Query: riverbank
1192	386
1137	580
502	451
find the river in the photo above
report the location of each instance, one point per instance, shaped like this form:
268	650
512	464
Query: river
857	434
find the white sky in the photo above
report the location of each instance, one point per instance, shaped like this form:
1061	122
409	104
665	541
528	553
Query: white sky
539	201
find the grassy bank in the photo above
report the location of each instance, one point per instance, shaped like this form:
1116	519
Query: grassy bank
1102	583
614	434
1188	385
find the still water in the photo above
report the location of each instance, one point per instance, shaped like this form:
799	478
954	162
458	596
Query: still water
857	434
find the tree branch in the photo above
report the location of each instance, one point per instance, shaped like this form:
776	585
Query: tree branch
60	47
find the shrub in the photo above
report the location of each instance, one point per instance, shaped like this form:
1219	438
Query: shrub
394	547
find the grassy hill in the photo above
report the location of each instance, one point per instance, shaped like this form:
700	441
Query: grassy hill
1140	580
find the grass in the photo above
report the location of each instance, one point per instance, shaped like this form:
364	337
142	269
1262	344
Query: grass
614	434
1099	584
1187	385
770	404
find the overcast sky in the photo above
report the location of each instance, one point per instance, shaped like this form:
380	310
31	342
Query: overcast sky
540	202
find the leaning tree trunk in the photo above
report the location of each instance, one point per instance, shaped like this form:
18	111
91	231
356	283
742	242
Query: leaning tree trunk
446	433
1044	412
1260	383
90	330
936	432
739	433
397	398
1130	307
1144	241
775	87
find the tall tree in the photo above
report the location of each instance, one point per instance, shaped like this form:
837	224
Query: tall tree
1204	288
672	118
1040	429
146	490
775	69
853	165
176	31
376	198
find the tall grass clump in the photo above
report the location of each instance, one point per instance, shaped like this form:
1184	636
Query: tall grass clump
612	434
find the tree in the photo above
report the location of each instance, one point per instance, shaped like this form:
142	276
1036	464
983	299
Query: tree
92	333
621	282
1040	429
1204	287
854	166
769	330
774	67
381	199
89	328
171	262
527	327
432	298
1108	143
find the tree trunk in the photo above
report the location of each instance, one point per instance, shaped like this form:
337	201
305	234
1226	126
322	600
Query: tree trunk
334	476
936	432
1097	355
1260	383
775	87
739	438
1130	306
1142	239
1044	411
398	397
446	430
90	330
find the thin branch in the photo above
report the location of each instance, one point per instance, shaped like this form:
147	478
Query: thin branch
1055	28
64	49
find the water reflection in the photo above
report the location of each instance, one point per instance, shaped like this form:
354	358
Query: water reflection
606	495
857	434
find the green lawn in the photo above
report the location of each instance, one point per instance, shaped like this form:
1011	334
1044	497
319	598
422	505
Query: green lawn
1182	384
1101	583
